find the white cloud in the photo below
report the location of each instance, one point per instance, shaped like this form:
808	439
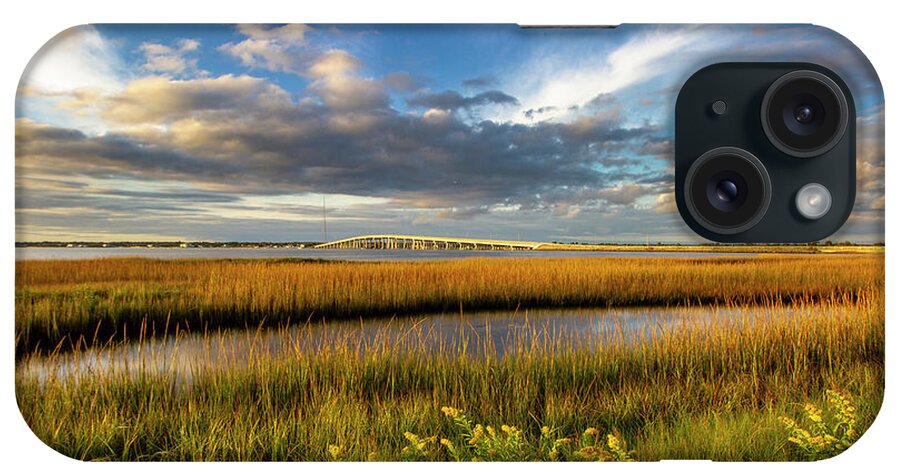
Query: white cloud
337	83
168	60
287	33
437	116
73	68
334	63
556	82
274	49
78	58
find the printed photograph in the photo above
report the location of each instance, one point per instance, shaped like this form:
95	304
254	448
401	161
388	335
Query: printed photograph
421	243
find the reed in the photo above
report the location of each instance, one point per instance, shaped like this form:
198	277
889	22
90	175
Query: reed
83	302
787	329
712	391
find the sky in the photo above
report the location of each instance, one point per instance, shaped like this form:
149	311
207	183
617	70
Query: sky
242	132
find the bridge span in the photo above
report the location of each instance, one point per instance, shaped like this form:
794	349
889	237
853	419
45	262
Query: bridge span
411	242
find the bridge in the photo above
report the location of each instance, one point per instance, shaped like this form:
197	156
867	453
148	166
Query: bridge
410	242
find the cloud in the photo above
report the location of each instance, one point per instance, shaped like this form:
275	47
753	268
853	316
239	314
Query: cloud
292	33
271	48
338	85
437	116
870	153
563	79
665	203
466	213
531	113
625	194
166	59
560	149
76	59
74	67
161	100
479	82
247	135
334	63
452	100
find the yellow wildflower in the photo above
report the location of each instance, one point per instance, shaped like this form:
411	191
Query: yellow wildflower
335	451
813	413
613	442
450	412
592	431
789	422
477	434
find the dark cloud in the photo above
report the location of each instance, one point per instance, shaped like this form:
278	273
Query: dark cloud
530	113
602	100
51	148
479	82
278	146
198	158
452	100
658	146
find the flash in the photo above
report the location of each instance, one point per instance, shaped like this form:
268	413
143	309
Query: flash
813	201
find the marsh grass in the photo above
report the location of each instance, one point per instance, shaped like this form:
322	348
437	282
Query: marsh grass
68	304
711	391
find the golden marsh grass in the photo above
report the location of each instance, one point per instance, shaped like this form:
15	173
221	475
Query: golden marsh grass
104	298
712	391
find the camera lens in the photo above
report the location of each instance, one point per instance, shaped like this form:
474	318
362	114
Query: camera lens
727	190
804	113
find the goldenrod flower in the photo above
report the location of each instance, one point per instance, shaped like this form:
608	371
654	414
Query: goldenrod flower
813	413
477	433
613	442
335	451
450	412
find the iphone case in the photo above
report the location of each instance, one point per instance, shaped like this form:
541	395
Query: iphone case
421	242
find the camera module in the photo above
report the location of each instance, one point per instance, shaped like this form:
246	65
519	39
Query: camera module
727	190
804	113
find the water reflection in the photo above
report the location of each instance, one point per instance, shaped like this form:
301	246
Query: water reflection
476	334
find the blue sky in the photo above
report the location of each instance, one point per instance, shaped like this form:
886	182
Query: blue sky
238	132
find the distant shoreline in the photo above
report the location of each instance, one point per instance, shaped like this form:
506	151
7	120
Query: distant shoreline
804	248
